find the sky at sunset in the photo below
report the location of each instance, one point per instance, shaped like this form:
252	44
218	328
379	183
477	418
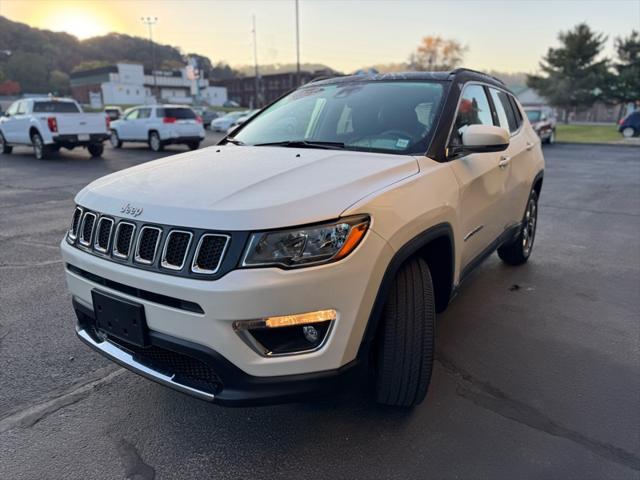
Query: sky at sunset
505	35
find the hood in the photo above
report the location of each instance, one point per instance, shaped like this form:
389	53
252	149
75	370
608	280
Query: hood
246	188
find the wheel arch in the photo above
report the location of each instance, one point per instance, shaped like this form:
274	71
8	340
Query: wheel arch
537	182
33	130
436	246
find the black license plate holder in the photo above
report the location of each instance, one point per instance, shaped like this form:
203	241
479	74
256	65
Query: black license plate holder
120	318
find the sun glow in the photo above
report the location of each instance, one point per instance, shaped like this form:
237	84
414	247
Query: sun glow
82	24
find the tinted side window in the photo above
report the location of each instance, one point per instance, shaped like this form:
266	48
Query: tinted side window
516	110
144	113
506	115
473	109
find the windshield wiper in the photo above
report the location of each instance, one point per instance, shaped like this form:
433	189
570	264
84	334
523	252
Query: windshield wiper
304	144
233	140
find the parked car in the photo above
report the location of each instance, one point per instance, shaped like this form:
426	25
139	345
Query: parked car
630	125
241	120
114	113
223	123
158	125
49	124
207	116
543	122
230	104
319	241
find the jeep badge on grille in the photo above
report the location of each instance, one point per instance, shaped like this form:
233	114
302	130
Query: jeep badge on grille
130	210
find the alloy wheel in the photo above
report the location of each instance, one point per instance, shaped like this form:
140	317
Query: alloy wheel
529	226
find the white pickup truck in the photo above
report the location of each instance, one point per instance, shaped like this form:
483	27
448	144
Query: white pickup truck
49	124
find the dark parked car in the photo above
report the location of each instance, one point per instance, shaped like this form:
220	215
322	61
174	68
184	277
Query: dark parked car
543	122
207	116
630	125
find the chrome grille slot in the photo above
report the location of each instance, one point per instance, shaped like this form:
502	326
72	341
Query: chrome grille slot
209	253
86	231
147	245
102	240
175	249
75	223
123	239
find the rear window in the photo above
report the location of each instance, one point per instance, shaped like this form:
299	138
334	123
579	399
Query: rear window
55	107
179	113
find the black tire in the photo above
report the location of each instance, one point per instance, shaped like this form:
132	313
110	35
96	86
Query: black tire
155	144
4	148
193	145
519	250
551	139
40	150
95	149
405	342
114	139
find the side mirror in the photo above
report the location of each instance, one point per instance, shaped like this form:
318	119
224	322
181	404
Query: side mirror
484	138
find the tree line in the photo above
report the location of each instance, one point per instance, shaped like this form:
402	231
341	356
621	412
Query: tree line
41	61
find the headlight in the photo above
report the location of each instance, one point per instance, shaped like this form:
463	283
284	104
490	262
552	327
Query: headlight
305	246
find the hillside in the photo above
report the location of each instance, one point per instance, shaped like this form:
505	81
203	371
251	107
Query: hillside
41	60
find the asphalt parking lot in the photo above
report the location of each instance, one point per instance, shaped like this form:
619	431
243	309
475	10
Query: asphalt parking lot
537	374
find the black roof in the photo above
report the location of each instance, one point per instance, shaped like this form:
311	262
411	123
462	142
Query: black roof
459	74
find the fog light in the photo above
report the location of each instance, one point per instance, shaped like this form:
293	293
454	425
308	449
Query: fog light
310	333
288	334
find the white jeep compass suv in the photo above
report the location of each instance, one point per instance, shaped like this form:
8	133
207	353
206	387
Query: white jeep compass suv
322	238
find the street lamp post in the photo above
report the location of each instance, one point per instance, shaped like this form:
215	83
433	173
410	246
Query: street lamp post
150	22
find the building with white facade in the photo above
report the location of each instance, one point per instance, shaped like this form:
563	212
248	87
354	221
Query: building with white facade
129	84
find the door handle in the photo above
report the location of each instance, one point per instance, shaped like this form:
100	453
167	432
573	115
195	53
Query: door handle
529	146
504	161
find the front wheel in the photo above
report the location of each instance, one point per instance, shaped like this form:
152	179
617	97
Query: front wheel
518	251
95	149
114	139
406	340
40	150
155	143
4	148
552	137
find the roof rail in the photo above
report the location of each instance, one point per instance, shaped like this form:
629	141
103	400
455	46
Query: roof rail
470	70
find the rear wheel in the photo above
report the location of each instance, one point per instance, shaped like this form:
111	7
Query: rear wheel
96	149
40	150
155	143
405	342
4	148
114	139
518	251
628	132
193	145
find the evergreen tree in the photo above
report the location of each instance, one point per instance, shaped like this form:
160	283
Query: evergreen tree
626	87
573	75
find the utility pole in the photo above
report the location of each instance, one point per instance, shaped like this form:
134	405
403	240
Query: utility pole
255	64
297	47
150	22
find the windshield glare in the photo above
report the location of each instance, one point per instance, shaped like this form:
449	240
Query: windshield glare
394	117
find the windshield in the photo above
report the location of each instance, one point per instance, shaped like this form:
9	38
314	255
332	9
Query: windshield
534	115
55	107
394	117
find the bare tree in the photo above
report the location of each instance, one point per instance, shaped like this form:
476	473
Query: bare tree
437	53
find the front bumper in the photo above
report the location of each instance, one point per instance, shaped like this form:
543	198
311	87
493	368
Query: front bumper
203	373
349	286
